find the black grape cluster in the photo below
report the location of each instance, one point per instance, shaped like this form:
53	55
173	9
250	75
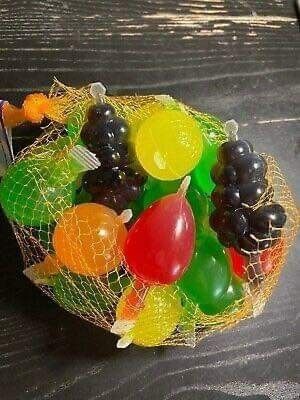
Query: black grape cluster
240	183
115	183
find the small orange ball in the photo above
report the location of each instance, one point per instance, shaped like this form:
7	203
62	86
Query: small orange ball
35	107
89	239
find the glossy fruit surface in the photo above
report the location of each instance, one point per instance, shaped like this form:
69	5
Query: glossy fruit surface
115	183
168	144
251	167
89	238
155	189
158	318
160	244
27	189
268	217
273	257
201	178
238	262
208	276
234	149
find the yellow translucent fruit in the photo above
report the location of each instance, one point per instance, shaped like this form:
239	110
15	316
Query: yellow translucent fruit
168	144
138	116
157	319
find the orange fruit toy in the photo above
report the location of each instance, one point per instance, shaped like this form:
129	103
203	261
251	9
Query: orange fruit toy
89	239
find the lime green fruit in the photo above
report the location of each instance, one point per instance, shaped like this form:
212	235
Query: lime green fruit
78	293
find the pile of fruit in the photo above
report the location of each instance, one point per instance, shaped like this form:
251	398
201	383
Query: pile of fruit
147	218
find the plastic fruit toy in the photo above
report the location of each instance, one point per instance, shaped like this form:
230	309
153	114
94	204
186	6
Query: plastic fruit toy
89	239
160	244
157	319
144	216
168	145
240	177
208	277
37	189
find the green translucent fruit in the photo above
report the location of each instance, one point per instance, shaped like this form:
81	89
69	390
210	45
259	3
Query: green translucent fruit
36	190
75	121
234	293
87	295
201	173
27	197
208	281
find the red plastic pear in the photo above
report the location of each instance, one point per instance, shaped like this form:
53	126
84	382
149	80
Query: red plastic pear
160	244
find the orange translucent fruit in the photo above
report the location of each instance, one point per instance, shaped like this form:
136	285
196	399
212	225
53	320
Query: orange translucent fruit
50	266
12	116
34	109
39	273
89	239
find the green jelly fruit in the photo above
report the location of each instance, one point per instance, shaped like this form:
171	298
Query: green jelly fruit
212	128
208	277
75	121
78	293
234	293
27	196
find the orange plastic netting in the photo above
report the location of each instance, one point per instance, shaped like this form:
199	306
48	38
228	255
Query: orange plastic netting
89	276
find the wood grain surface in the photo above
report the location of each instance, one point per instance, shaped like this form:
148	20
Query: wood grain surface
236	59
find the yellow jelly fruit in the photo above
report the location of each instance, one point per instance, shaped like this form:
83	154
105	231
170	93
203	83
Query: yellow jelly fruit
168	144
157	319
137	117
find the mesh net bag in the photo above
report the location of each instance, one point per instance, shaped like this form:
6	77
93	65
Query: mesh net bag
73	246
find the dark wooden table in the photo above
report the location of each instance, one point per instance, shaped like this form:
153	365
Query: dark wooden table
234	58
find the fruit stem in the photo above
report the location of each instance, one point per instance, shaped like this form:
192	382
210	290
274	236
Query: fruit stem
124	342
84	157
184	186
122	326
97	91
126	216
231	127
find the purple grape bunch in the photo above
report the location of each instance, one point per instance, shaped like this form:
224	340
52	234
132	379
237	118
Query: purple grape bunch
116	182
240	177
